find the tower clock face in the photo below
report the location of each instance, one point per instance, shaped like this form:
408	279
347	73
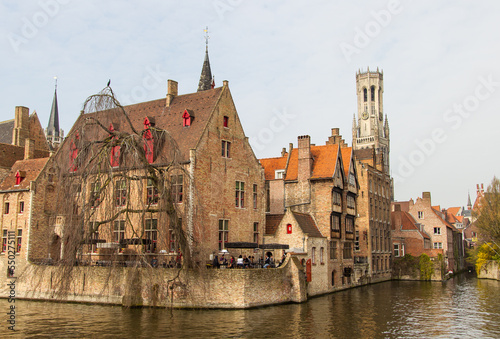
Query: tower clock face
380	116
364	116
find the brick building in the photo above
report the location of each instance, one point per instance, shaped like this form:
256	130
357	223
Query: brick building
319	182
13	136
371	144
196	142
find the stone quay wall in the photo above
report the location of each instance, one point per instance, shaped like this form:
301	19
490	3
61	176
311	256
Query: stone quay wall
490	271
161	287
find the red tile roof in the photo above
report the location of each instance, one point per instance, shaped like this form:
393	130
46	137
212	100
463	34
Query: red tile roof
408	223
31	168
272	222
271	165
307	225
346	159
324	162
454	210
9	154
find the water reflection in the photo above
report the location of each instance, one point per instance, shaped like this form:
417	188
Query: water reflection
461	307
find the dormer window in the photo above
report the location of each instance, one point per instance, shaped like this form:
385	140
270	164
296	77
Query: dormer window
115	150
20	175
279	174
148	139
226	121
187	118
73	153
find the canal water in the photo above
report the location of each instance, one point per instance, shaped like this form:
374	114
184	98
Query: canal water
463	307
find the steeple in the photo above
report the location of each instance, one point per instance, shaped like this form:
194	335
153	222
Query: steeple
53	134
206	74
469	204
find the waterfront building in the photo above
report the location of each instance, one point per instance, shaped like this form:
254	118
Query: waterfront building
371	144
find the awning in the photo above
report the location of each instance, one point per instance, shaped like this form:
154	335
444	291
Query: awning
135	241
274	246
241	244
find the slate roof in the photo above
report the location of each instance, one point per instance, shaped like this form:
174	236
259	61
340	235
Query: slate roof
307	225
271	165
167	118
31	168
272	222
6	128
324	162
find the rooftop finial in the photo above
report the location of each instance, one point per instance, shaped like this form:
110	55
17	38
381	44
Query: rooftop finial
55	78
206	36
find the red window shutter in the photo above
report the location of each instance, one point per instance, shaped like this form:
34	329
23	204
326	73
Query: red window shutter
72	157
115	156
289	229
148	141
18	178
186	119
226	121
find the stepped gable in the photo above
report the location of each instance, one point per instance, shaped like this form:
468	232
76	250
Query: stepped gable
200	104
6	128
31	168
324	162
307	225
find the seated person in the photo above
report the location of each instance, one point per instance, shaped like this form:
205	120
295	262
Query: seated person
239	262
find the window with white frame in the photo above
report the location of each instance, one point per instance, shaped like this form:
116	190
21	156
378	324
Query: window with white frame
223	233
396	250
279	174
437	245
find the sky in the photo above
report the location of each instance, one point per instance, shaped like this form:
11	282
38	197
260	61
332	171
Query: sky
291	67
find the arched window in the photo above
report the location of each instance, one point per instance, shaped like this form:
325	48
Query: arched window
365	95
372	93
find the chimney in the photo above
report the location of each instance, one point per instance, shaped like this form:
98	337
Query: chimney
477	189
283	151
482	188
335	131
426	196
305	158
397	208
29	149
21	126
171	91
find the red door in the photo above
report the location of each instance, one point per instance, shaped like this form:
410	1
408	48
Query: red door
308	270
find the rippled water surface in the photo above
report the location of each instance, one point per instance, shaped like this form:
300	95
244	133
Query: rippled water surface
463	307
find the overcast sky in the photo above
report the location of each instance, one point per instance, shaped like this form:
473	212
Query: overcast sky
291	69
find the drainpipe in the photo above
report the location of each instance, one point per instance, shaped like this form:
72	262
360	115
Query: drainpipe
192	159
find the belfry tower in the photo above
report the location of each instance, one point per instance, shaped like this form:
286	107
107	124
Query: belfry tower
371	128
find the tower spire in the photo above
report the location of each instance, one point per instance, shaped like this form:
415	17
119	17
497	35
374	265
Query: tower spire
469	204
52	132
206	74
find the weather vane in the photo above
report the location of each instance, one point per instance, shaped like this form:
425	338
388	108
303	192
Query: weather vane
206	36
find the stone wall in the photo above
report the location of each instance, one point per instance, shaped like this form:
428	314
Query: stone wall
210	288
490	271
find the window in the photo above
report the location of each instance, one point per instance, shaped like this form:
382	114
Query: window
396	250
226	121
321	250
19	240
279	174
186	119
335	223
333	250
177	189
223	233
351	202
352	179
256	232
372	96
148	140
114	158
152	193
336	198
349	225
6	208
437	230
226	148
119	230
365	95
240	194
438	245
254	196
4	240
313	255
420	214
151	235
95	189
21	207
120	193
356	241
347	250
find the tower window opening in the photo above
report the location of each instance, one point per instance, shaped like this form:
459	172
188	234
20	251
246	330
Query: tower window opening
372	93
365	95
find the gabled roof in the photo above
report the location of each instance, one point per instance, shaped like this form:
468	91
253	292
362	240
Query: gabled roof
271	165
307	225
272	222
346	159
454	210
168	118
408	223
31	168
447	224
6	128
324	162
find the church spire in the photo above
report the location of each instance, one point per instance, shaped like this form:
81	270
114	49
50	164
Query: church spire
469	204
206	74
53	134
